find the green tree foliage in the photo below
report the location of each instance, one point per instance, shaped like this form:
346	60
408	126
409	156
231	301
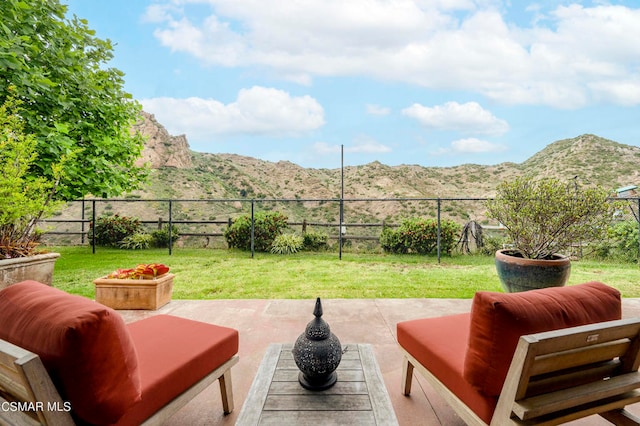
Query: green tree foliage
547	216
267	226
420	235
23	199
73	103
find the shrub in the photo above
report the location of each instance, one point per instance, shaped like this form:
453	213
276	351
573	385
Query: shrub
314	240
137	241
623	241
287	244
110	230
391	241
161	236
419	235
492	244
268	225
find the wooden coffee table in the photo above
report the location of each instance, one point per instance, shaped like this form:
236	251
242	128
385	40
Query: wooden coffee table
358	398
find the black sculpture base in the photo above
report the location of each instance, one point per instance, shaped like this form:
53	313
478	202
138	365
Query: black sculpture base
318	384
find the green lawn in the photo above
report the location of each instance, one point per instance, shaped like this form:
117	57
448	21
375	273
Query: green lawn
222	274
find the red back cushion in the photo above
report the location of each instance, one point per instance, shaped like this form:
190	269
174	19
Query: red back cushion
85	347
499	319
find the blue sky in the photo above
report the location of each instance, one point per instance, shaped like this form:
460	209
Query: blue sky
428	82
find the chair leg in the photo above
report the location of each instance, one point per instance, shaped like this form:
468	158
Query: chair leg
621	418
407	376
226	391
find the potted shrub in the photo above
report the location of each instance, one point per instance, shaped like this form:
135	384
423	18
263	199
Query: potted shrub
543	219
23	201
147	286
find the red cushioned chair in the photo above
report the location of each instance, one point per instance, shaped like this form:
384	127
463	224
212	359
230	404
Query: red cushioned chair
539	357
68	360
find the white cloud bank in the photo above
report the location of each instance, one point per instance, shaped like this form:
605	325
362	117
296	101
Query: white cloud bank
470	146
473	145
373	109
469	118
361	145
258	110
568	57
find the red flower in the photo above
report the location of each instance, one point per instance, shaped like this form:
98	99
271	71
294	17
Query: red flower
142	271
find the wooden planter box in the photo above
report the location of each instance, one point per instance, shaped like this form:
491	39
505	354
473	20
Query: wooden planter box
134	294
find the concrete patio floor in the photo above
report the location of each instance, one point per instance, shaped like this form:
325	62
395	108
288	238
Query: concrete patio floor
261	322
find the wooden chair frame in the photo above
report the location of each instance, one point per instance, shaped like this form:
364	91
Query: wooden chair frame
25	383
559	376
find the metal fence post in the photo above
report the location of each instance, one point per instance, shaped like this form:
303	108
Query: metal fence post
638	219
253	228
340	237
93	228
82	228
439	229
170	227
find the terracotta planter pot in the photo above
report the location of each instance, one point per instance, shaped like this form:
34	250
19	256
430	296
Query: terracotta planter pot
38	268
134	294
519	274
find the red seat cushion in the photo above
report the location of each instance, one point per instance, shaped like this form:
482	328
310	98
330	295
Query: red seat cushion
84	346
498	320
439	344
175	353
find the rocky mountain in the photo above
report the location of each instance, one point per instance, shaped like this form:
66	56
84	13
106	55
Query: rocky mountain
383	193
161	149
198	175
180	173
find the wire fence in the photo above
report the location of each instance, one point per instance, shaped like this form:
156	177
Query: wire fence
353	223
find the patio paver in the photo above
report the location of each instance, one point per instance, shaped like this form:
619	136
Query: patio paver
373	321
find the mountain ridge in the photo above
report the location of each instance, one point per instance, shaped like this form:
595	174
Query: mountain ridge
180	173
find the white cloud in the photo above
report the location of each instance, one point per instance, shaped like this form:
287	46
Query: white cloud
377	110
158	13
620	92
473	145
323	148
367	145
361	145
469	146
567	58
257	110
469	117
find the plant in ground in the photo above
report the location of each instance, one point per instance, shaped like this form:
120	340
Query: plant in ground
111	230
267	226
287	244
623	241
420	235
137	241
314	240
161	236
544	217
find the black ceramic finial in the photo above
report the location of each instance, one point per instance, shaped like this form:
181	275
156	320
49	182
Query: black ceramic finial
318	310
317	353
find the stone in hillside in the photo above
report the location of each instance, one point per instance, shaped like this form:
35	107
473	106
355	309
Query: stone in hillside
160	148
